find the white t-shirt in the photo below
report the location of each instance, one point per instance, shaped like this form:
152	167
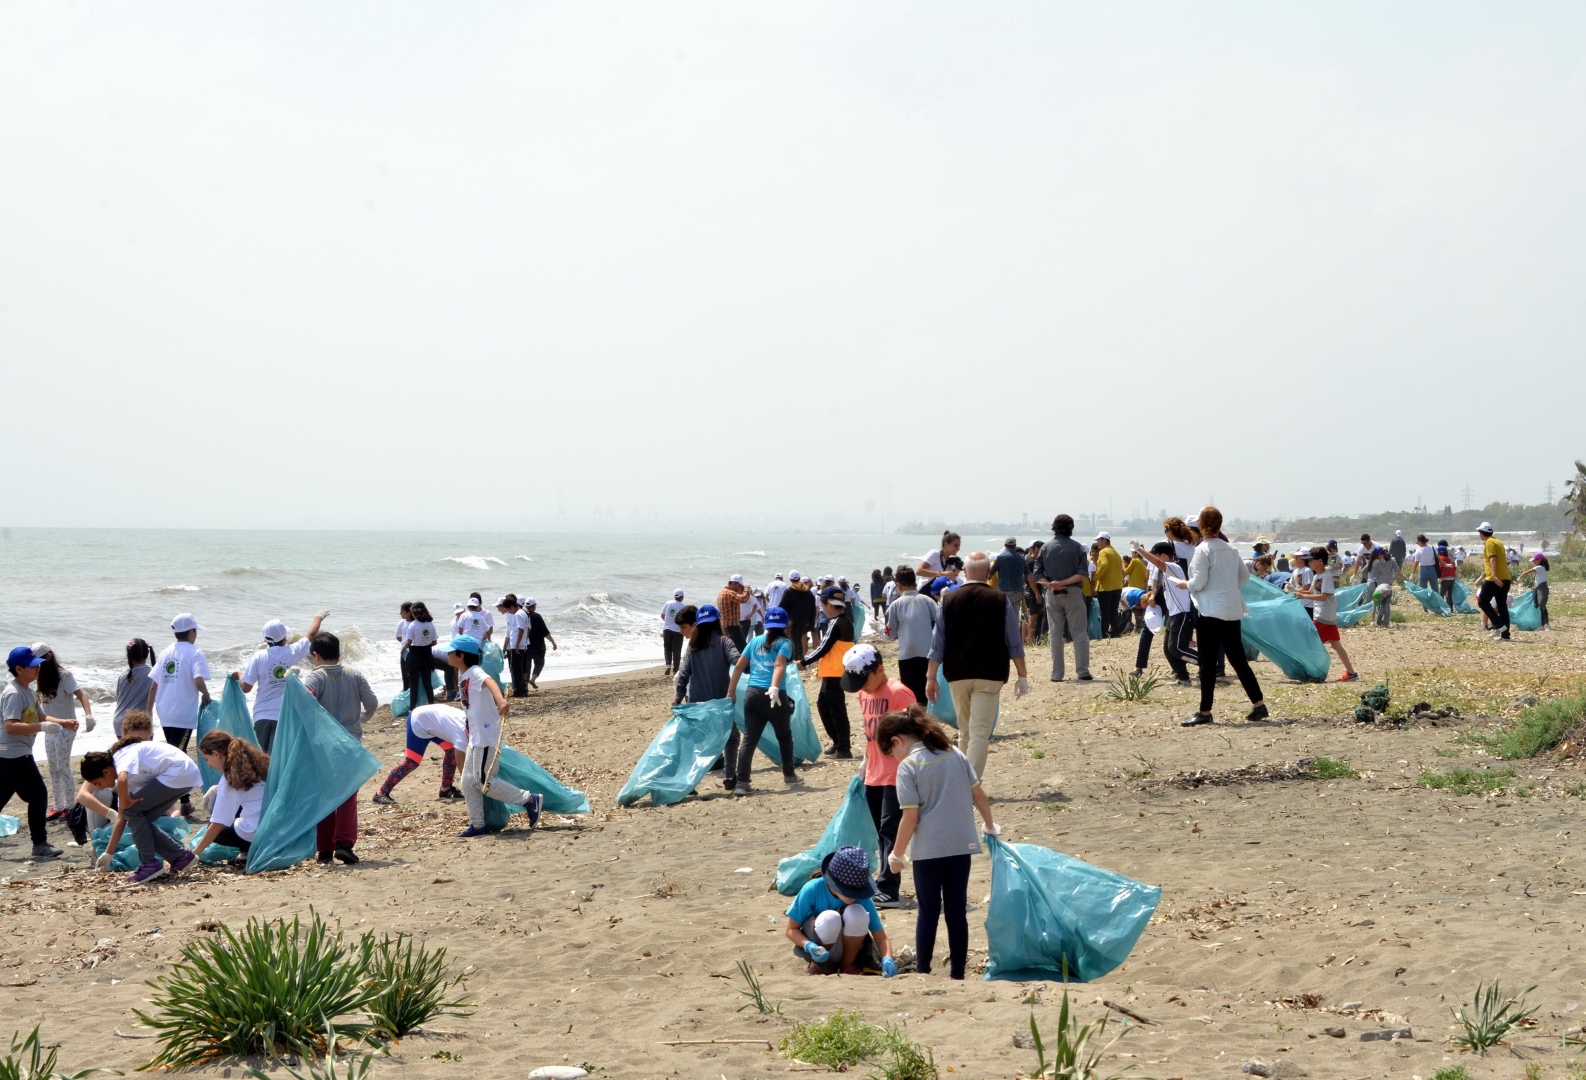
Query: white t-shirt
440	722
175	697
669	614
752	610
773	593
1178	600
473	624
1302	580
239	809
1459	556
517	629
933	561
484	722
1541	574
421	634
1426	556
890	592
267	673
145	761
1182	550
402	630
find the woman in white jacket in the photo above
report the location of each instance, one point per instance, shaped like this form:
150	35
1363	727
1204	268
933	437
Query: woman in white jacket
1216	573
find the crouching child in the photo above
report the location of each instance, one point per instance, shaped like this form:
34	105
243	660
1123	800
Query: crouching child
833	923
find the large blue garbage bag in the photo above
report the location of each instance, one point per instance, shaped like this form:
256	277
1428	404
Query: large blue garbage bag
404	698
315	766
1430	599
1093	627
806	742
524	772
1046	907
678	758
1281	628
1524	614
1354	604
126	857
1462	602
851	826
229	714
859	620
492	660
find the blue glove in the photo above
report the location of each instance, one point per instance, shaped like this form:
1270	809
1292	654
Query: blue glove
889	967
815	952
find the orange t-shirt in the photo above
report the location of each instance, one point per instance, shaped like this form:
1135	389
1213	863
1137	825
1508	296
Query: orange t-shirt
881	770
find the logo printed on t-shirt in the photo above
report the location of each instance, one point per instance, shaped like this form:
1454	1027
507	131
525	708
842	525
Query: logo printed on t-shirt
279	672
170	667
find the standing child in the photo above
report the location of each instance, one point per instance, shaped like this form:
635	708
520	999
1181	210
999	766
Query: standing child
404	616
1319	596
59	696
1380	576
671	636
1447	574
132	689
20	724
706	673
419	639
517	643
766	659
539	634
179	688
239	797
833	923
939	792
864	674
430	724
1539	567
878	594
485	707
346	696
149	778
267	673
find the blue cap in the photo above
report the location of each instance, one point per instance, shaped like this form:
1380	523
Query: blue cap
22	656
847	871
707	613
941	584
1132	596
776	618
831	594
465	643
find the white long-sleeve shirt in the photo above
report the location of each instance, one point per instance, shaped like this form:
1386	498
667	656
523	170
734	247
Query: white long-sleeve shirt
1215	574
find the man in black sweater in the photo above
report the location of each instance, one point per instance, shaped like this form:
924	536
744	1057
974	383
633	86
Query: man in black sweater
799	603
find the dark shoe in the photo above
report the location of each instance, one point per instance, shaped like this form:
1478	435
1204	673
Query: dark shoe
535	804
1087	678
449	795
792	779
882	900
729	784
843	755
45	851
1196	720
1054	680
1257	713
473	831
323	857
345	854
1182	682
182	862
383	799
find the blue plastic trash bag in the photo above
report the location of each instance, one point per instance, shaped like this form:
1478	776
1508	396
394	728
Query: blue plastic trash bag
806	743
126	857
1046	907
491	659
404	698
1354	604
524	772
315	766
678	758
859	621
229	714
1524	614
1094	626
851	826
1462	602
1430	599
1281	628
9	826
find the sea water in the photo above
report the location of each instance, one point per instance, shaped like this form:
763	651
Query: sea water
86	592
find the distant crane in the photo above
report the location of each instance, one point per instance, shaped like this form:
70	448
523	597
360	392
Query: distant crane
1466	494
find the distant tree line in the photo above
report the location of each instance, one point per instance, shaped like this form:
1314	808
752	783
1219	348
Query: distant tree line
1551	518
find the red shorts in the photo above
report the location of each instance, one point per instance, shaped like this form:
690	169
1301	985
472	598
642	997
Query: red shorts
1328	631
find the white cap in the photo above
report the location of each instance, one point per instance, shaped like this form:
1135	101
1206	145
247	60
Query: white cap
736	579
779	577
1193	521
184	622
275	630
527	601
794	575
860	657
39	649
1485	526
502	602
473	601
1104	536
458	608
678	595
1397	532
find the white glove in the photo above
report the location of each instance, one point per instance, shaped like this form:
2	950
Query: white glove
49	727
896	862
209	798
995	830
1021	686
89	723
103	862
323	614
775	694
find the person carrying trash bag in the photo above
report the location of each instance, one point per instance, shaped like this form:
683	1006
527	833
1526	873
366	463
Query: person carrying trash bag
485	707
681	753
832	923
707	665
766	660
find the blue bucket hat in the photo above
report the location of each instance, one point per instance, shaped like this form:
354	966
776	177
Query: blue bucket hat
847	871
776	618
464	643
707	613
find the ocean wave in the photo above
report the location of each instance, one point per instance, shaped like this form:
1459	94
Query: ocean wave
234	571
759	554
177	588
476	562
498	562
525	558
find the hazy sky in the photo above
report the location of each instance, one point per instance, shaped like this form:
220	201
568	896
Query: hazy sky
374	264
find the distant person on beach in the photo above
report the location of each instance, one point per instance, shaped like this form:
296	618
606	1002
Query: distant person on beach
799	604
1179	626
1319	593
21	722
832	703
774	591
132	689
1447	574
1034	596
516	639
878	594
935	562
267	673
671	636
976	641
753	614
705	675
889	587
180	688
1397	549
1062	570
1108	583
1008	571
1381	572
427	724
911	622
347	697
1539	567
1425	557
766	660
476	607
730	603
1216	574
59	696
1493	599
539	634
420	639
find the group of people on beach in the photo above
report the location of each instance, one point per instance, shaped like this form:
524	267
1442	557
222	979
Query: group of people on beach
524	637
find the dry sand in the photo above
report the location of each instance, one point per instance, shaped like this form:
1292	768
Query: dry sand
601	939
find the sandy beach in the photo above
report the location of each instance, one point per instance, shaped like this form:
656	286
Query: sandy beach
1289	906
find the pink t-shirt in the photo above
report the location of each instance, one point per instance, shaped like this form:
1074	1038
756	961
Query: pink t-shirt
880	769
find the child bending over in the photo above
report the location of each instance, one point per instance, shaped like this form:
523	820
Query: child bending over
239	797
833	923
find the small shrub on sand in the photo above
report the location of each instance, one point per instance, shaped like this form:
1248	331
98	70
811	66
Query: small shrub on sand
1073	1051
411	988
838	1041
29	1061
1495	1015
1327	768
1467	781
1451	1072
1540	728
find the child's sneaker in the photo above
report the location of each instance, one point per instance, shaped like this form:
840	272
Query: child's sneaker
1349	676
146	872
451	795
743	789
45	851
182	862
535	804
383	800
474	830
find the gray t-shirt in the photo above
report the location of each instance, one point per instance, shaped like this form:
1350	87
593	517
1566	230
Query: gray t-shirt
63	706
344	694
132	693
19	703
1326	611
941	785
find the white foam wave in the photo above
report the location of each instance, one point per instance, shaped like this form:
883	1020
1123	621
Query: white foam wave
492	558
525	558
757	554
477	562
176	588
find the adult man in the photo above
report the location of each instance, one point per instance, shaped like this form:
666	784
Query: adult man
1426	559
799	603
774	591
539	634
911	622
1108	585
267	672
1008	567
179	688
517	642
671	636
976	638
1062	567
1494	596
727	602
1397	548
346	696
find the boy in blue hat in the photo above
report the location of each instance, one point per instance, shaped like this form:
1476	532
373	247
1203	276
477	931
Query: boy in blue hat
22	721
833	923
485	707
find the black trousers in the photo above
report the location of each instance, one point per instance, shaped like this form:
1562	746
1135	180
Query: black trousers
517	663
833	706
1108	600
1142	652
229	838
419	665
757	713
1175	644
941	886
1445	589
883	800
20	776
1494	603
737	634
672	649
911	673
404	666
1220	638
536	661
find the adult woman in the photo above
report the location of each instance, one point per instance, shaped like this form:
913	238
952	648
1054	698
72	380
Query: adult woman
59	696
1216	573
935	562
766	659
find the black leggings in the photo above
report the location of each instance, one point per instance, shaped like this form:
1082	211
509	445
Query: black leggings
229	838
1494	603
1445	588
757	713
1176	646
942	888
536	662
1219	638
833	706
878	608
1541	601
20	776
911	673
672	649
419	663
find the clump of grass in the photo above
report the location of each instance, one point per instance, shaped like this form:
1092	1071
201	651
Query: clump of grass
1327	768
29	1061
1132	687
411	988
1451	1072
1077	1048
274	987
1540	728
357	1068
1494	1017
1467	781
755	993
1147	768
905	1059
840	1041
1447	751
1037	755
